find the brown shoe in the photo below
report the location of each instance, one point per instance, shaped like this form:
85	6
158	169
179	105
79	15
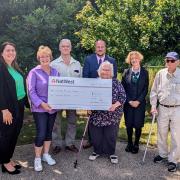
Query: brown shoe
56	150
87	145
72	148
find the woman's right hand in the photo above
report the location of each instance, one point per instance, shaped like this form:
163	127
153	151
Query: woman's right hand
7	116
89	112
46	106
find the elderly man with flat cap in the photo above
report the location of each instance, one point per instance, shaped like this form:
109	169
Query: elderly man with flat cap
165	93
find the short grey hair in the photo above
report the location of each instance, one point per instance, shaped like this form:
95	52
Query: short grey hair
106	63
65	40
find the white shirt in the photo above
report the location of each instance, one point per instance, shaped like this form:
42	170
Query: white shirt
166	88
73	69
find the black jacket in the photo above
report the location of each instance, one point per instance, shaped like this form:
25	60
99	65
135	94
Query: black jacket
8	96
142	85
134	117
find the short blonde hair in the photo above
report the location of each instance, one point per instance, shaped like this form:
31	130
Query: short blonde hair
44	50
128	58
106	63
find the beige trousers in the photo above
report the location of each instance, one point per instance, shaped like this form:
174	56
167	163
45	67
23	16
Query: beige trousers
169	120
57	139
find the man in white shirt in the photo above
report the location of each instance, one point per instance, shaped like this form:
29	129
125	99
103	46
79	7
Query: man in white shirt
67	66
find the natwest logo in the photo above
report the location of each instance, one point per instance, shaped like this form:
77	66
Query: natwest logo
61	81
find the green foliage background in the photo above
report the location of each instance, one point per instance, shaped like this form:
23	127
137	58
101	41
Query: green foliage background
150	26
31	23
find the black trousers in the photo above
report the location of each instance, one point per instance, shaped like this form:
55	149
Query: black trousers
130	134
9	135
104	138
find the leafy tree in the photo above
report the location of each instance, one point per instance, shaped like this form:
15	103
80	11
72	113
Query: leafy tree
148	26
39	22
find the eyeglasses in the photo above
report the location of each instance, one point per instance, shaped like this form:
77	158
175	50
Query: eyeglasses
170	60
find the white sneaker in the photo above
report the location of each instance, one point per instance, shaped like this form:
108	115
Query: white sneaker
113	159
93	156
37	164
47	158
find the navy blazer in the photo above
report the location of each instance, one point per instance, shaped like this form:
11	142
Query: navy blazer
91	66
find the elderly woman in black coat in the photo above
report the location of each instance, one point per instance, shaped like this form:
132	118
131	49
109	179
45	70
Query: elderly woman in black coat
104	125
135	81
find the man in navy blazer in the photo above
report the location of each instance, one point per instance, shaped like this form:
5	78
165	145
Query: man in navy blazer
93	61
91	66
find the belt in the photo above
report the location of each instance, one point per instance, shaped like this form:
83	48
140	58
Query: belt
169	106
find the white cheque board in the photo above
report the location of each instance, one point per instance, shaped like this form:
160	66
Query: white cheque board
79	93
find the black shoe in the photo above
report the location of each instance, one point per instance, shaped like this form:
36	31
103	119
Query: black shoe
17	166
56	150
87	145
72	148
135	149
129	147
4	170
158	159
172	167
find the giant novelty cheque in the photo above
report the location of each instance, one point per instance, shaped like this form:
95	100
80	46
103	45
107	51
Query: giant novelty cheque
79	93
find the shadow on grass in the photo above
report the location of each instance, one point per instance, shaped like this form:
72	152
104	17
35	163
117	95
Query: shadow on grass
28	131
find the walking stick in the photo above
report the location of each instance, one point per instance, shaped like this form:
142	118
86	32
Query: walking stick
77	156
154	116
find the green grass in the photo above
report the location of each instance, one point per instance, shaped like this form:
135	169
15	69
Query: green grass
28	131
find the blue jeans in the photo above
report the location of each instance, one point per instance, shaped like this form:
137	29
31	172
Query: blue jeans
44	125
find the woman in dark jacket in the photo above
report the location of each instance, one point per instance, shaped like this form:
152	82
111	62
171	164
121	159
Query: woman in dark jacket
135	81
12	100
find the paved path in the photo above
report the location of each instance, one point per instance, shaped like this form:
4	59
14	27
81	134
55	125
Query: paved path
129	167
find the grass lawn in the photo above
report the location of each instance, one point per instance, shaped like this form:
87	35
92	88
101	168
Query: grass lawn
28	131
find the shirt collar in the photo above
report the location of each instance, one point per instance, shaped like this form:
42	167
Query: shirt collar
72	60
136	70
38	67
102	58
175	74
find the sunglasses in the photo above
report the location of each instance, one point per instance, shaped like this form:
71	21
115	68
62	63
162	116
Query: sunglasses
170	60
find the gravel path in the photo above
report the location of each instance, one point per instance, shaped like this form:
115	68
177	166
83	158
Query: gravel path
130	166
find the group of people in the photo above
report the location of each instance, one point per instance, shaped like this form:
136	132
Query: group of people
128	97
